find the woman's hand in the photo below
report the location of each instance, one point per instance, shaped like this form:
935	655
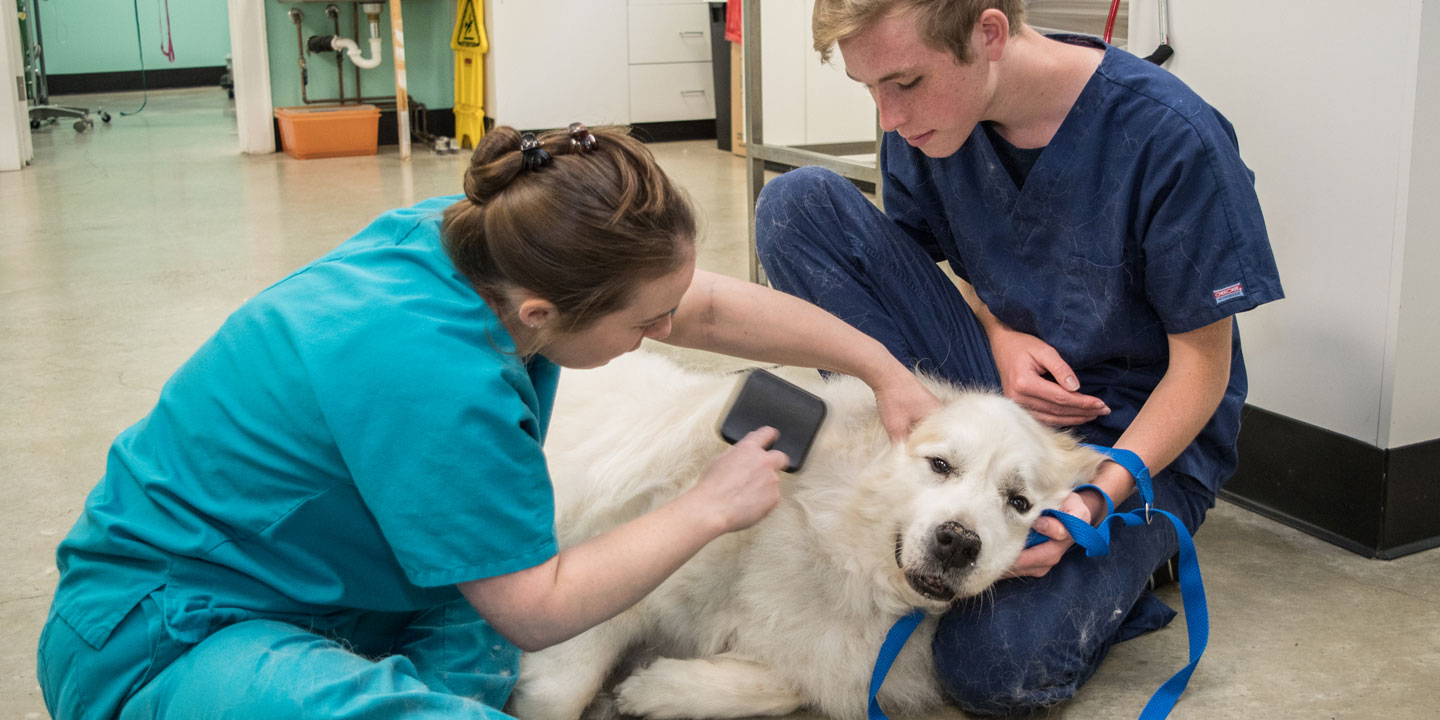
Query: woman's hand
902	402
743	485
1023	361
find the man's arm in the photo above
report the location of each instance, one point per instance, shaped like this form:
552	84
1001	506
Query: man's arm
1171	418
1023	360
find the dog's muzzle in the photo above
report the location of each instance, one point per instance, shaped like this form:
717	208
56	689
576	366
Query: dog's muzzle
952	552
955	546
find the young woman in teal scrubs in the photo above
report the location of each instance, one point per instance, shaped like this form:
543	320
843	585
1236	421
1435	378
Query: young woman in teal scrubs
339	506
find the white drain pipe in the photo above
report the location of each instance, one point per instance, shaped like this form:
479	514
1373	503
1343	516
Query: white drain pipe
352	51
352	48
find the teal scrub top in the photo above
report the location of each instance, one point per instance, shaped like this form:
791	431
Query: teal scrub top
359	436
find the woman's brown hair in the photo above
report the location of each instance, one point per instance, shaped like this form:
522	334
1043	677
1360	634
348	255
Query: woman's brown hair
582	231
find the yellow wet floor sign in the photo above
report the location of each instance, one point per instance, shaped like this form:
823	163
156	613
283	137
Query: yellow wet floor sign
470	45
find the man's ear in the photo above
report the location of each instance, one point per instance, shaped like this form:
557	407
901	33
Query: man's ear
992	30
536	312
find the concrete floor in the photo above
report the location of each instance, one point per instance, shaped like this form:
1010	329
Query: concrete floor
123	248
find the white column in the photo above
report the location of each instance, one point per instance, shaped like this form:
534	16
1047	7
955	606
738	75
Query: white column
248	53
15	148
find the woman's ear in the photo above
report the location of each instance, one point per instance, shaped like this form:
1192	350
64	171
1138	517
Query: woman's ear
536	312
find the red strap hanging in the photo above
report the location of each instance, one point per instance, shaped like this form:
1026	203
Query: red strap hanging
1109	23
167	47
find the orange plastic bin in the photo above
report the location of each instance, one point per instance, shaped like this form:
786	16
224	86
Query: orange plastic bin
324	131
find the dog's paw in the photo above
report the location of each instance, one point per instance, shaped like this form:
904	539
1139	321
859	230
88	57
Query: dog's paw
716	687
654	692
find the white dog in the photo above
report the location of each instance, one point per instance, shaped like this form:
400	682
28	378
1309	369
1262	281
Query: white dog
789	613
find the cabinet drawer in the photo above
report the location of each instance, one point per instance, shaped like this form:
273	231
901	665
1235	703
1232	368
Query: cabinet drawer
674	91
669	33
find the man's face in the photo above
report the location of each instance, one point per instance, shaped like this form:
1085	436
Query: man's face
924	94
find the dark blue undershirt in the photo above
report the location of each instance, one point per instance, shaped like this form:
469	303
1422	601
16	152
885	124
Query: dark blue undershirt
1017	161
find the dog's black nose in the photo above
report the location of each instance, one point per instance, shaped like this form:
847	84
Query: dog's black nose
956	544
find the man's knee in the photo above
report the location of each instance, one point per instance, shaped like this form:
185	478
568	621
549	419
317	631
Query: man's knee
788	198
1005	686
993	663
798	188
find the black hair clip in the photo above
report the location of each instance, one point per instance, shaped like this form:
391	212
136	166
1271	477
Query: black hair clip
535	157
581	139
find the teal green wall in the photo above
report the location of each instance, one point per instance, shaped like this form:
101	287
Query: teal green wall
96	36
429	62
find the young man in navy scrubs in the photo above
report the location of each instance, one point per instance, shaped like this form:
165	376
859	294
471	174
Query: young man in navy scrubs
1106	231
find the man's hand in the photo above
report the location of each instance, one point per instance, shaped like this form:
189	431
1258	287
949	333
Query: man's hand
1036	561
1023	361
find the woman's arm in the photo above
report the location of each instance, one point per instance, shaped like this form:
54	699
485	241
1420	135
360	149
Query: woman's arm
591	582
734	317
1171	418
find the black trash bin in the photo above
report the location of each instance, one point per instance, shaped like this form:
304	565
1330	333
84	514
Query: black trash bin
720	65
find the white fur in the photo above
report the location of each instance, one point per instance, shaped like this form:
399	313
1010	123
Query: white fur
791	612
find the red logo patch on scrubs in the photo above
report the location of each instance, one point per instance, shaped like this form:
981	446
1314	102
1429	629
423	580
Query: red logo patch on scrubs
1229	293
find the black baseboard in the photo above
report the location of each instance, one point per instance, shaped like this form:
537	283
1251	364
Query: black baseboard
78	83
675	130
652	131
1375	502
438	121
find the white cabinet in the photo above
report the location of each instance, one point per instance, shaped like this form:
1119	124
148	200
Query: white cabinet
670	69
553	62
670	33
671	91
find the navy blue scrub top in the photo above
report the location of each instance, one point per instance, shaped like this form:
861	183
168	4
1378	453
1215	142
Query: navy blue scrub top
1138	220
359	436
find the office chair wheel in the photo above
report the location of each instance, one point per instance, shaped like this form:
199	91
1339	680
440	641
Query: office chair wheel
81	125
105	116
34	124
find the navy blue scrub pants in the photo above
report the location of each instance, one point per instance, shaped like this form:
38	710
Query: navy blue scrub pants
1034	641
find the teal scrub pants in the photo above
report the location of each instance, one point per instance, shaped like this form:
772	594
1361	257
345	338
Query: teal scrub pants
442	663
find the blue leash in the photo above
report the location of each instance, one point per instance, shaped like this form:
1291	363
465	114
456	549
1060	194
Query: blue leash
894	640
1096	541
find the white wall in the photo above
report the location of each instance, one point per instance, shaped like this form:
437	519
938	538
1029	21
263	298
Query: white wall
1415	415
15	148
805	102
1323	97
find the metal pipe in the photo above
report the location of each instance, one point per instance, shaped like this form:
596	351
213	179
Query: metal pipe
397	40
295	17
355	16
1164	22
334	13
754	128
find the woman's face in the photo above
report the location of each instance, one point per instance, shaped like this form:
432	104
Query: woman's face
647	316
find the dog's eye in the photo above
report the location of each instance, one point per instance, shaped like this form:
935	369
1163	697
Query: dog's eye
940	466
1020	503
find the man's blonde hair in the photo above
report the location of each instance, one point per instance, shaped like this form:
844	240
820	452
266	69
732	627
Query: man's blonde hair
943	24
